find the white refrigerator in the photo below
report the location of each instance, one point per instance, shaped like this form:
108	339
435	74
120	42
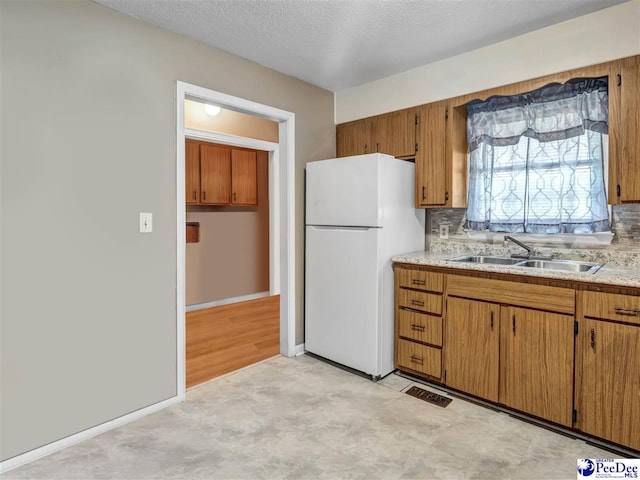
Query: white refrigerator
359	214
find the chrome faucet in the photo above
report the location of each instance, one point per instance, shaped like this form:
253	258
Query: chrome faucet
530	250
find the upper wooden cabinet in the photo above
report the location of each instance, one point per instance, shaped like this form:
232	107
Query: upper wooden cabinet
395	133
392	133
192	172
628	182
354	138
244	189
219	175
215	175
441	138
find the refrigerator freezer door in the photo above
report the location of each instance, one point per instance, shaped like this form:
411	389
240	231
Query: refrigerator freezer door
344	191
342	296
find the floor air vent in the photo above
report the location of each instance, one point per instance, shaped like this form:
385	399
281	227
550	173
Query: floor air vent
430	397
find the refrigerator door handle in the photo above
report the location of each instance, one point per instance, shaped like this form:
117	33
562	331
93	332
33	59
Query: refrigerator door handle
338	227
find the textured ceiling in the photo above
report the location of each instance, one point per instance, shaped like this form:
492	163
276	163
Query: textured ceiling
337	44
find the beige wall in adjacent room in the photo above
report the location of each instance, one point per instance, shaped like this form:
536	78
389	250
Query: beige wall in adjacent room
598	37
232	257
87	141
228	121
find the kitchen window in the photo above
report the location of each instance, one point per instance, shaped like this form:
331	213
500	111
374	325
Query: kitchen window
537	160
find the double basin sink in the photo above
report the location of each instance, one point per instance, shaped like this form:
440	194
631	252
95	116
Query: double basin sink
546	264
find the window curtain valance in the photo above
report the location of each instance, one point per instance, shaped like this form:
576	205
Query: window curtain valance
554	112
536	160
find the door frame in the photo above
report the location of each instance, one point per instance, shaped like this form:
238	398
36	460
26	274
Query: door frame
281	209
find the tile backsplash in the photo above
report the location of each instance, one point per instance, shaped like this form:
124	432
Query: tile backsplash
625	224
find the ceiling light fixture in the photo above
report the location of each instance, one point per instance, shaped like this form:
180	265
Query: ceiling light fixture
212	110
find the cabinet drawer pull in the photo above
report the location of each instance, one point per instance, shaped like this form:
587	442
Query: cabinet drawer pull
419	328
627	311
593	338
419	303
415	281
416	359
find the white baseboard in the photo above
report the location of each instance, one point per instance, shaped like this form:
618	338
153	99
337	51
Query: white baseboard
53	447
299	350
226	301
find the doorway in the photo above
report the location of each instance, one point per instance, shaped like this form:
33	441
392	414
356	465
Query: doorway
281	200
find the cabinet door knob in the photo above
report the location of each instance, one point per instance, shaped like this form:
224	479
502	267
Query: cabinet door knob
491	321
423	193
234	196
204	195
194	195
513	318
593	338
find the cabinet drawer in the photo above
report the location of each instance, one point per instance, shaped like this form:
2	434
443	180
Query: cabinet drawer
425	302
543	297
420	358
611	306
420	280
419	326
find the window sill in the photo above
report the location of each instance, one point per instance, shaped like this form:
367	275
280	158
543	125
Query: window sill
566	239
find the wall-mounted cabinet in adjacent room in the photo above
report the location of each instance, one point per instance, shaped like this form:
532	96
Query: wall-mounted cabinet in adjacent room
219	175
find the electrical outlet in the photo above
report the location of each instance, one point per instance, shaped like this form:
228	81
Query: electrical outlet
146	222
444	232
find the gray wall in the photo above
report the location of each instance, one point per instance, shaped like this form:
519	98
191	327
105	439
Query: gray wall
88	141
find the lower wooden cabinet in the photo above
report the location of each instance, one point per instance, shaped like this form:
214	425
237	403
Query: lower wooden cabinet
536	363
419	358
608	396
471	356
520	345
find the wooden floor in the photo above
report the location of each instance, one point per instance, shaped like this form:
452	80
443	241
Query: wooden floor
223	339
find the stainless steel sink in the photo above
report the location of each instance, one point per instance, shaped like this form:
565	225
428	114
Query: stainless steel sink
563	265
488	259
558	265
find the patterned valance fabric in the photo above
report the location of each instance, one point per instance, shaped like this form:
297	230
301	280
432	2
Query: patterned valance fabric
554	112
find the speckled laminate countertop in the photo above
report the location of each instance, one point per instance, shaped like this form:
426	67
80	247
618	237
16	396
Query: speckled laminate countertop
613	275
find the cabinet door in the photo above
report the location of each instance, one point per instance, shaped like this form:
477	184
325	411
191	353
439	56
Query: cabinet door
536	363
395	133
354	138
192	172
471	347
608	401
431	164
629	140
244	184
215	175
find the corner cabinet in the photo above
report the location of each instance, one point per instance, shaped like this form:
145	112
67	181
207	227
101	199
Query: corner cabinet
564	352
219	175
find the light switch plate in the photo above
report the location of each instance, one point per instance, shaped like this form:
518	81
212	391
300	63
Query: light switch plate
146	222
444	232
